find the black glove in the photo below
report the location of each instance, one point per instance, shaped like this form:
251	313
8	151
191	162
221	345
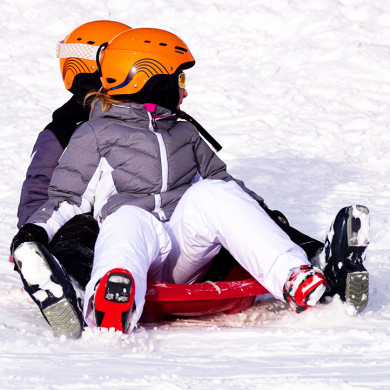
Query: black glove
29	232
278	217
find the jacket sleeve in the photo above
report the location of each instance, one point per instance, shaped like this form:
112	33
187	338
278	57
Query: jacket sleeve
44	158
47	150
73	184
212	167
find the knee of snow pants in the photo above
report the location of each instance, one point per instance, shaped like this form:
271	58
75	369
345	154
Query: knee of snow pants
73	246
214	213
133	239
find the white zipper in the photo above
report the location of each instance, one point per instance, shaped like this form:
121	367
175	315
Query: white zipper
164	162
157	208
164	167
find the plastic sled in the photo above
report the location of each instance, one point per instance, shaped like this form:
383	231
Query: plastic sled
234	294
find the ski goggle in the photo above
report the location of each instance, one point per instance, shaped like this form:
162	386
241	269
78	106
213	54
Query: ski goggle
182	80
76	50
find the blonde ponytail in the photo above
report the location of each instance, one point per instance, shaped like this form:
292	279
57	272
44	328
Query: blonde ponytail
107	101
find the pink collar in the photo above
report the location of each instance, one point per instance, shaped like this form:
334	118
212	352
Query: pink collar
150	107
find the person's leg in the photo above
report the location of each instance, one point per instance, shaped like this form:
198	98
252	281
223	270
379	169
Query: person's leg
223	262
130	239
73	246
310	245
214	213
50	287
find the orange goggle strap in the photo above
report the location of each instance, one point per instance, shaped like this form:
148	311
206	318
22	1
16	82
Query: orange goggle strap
77	50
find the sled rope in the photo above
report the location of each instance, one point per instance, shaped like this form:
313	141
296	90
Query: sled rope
214	285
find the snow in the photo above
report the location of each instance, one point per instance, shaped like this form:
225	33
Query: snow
298	94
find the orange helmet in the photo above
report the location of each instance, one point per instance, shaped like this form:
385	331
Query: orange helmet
145	63
77	52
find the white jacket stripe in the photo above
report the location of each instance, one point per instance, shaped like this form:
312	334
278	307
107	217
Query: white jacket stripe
99	189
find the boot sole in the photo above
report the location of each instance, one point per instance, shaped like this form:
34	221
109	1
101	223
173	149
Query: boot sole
356	292
357	283
63	319
114	303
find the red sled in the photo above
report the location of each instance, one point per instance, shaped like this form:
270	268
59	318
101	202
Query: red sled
234	294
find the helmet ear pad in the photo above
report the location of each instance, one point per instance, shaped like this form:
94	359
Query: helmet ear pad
161	89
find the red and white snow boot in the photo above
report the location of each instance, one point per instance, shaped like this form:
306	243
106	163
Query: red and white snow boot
114	300
304	287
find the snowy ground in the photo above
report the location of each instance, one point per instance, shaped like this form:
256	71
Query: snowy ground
298	93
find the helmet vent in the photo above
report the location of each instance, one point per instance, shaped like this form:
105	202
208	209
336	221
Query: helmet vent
147	41
181	49
162	44
110	80
91	42
79	39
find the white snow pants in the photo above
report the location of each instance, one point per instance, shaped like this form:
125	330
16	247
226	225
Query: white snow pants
210	214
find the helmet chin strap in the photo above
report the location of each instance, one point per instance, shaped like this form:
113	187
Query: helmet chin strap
202	131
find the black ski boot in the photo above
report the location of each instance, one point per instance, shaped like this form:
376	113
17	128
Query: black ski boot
342	258
50	288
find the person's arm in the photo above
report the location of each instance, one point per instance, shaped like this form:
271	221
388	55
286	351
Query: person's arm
210	166
44	158
47	150
73	184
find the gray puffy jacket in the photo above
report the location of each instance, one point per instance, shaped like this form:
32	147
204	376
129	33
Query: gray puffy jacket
127	156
